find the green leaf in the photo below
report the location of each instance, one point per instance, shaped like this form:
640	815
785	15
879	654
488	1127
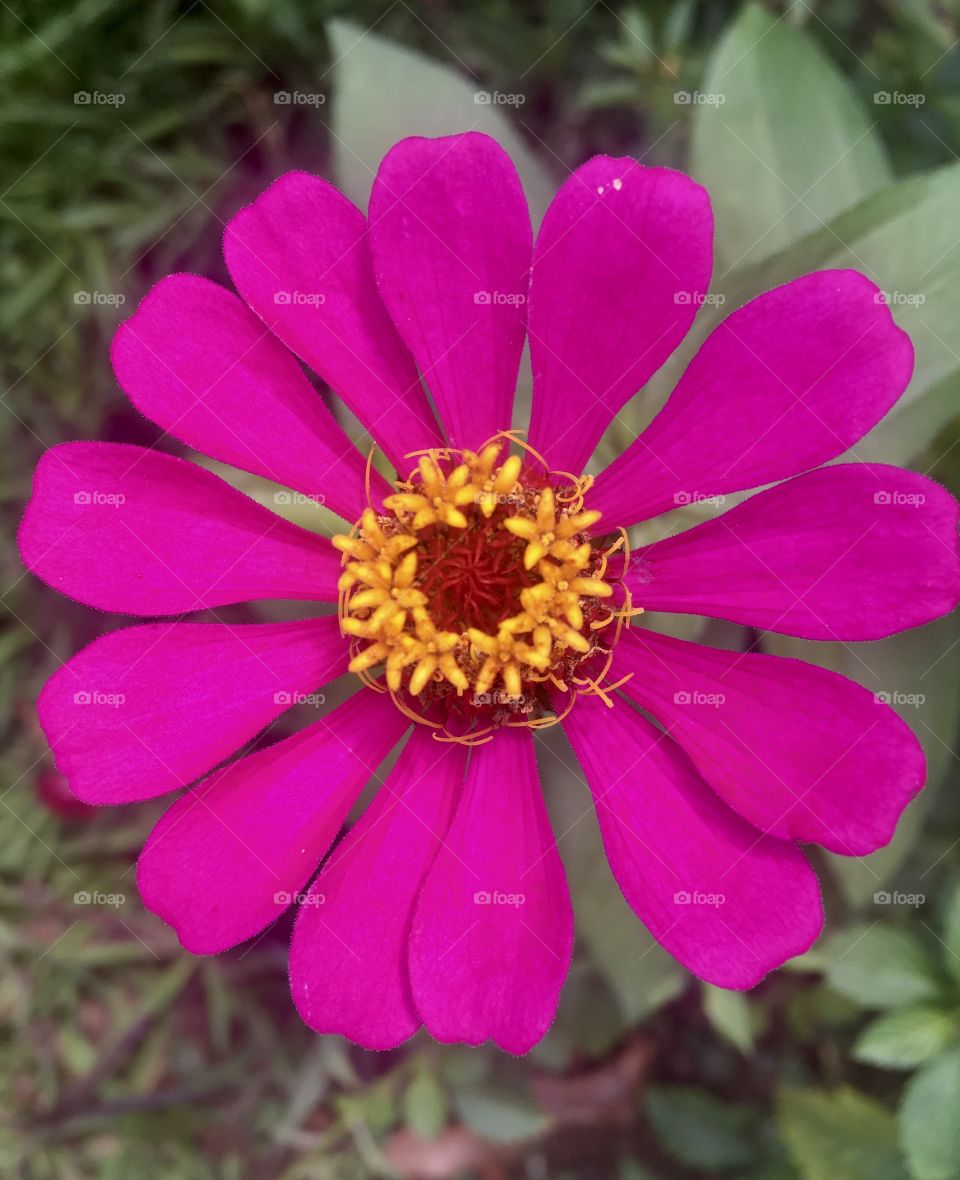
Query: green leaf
638	971
906	1037
425	1105
699	1130
729	1013
915	672
781	142
385	92
951	935
880	966
929	1126
501	1117
840	1133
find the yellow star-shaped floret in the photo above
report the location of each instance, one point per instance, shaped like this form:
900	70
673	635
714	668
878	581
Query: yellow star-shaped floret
546	535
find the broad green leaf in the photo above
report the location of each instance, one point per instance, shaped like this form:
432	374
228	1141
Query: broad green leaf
425	1105
638	971
916	672
501	1117
905	1037
778	139
384	92
699	1130
880	966
729	1013
951	935
840	1133
929	1126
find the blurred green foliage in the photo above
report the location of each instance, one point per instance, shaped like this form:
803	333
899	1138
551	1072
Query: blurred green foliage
123	1057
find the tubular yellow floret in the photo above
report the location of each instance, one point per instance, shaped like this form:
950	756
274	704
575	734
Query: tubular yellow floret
387	598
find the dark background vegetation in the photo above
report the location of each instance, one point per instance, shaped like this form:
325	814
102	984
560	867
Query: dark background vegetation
122	1056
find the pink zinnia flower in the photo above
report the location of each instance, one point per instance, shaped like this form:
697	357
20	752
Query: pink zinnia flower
488	593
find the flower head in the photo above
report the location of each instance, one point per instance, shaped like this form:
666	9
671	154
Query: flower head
491	591
475	579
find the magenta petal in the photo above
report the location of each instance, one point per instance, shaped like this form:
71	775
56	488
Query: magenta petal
850	552
792	379
299	256
125	529
199	363
728	903
799	751
348	957
451	242
228	857
622	260
493	932
149	709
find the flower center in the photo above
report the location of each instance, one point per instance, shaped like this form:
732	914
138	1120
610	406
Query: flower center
478	584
